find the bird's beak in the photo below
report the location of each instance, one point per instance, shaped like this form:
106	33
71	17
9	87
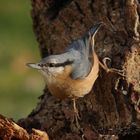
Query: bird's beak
95	28
34	66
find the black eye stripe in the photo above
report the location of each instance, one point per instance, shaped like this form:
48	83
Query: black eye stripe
51	65
63	64
56	65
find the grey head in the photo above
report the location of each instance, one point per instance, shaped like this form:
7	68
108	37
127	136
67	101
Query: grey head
78	55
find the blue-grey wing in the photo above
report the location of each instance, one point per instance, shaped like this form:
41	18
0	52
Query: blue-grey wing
84	61
81	65
80	70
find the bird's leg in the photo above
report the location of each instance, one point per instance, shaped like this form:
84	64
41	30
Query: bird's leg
76	114
105	67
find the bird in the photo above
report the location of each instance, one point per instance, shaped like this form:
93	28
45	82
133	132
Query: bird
72	74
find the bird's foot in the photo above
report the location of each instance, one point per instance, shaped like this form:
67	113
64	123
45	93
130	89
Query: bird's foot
107	69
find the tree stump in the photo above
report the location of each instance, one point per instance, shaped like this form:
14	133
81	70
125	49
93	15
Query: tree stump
111	109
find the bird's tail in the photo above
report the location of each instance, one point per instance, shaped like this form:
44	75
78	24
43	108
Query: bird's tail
90	40
93	30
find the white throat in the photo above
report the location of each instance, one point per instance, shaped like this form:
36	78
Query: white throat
55	70
51	71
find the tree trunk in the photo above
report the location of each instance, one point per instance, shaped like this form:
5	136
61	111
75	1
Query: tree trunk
111	109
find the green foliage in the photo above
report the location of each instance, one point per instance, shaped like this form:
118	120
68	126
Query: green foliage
19	85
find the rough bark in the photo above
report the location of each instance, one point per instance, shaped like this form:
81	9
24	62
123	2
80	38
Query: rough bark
111	109
9	130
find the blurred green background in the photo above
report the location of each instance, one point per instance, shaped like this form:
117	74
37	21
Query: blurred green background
19	85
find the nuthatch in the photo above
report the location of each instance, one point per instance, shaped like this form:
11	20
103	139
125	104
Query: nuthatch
72	73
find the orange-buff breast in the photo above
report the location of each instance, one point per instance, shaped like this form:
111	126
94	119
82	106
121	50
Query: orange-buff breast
63	86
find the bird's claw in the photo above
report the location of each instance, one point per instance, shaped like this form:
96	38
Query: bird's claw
107	69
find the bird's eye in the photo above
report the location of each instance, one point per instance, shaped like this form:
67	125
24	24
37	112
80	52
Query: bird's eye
51	65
